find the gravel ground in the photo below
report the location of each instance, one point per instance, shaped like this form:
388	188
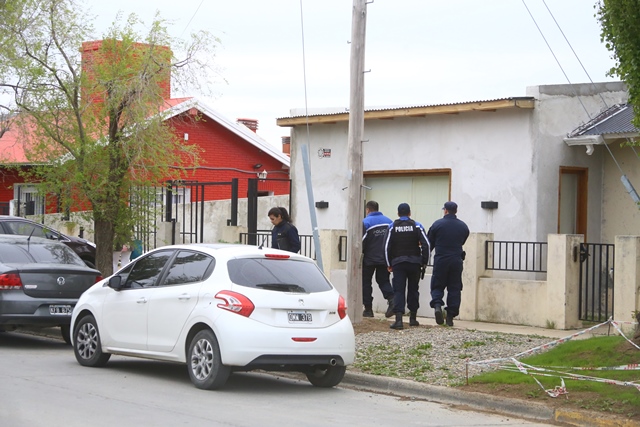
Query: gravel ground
435	355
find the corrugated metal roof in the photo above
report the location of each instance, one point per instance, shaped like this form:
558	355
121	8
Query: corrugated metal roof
613	120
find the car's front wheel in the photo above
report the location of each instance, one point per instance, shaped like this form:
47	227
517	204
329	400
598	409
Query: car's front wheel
86	343
204	362
329	376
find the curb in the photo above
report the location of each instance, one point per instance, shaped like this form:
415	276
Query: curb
447	395
480	401
49	332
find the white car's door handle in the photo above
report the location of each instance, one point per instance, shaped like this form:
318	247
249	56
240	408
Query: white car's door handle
184	297
142	300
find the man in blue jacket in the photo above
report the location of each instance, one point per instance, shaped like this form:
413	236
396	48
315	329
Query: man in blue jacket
447	236
374	231
406	249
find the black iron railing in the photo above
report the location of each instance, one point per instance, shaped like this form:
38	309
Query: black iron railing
515	256
596	281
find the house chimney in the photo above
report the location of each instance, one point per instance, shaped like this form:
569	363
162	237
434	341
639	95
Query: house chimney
250	123
286	145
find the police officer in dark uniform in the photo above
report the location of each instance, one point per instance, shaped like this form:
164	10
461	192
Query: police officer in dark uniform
374	232
406	249
447	236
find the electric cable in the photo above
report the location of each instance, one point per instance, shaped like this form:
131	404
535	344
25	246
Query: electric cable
585	70
568	80
192	16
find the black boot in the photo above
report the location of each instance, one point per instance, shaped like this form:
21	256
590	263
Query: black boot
398	323
368	312
449	320
412	319
389	312
439	317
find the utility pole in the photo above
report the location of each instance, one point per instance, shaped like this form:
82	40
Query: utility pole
354	172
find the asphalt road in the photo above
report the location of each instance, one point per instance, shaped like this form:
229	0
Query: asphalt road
41	384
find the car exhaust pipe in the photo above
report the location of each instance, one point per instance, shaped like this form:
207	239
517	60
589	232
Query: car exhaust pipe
333	362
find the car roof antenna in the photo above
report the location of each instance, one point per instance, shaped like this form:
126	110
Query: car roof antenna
29	238
264	238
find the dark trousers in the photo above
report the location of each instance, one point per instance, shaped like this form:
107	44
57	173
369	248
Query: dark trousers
382	278
447	274
406	277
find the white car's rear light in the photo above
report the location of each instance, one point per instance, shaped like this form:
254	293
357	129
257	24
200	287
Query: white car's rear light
342	307
235	303
276	256
303	339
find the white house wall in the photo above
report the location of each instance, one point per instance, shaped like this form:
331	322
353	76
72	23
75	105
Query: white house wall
559	110
487	153
622	215
510	156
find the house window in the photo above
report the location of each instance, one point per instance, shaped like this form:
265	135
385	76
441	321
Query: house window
179	195
29	201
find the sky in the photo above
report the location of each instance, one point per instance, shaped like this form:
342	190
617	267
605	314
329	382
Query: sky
279	55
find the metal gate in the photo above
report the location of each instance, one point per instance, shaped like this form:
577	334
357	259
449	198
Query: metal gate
180	203
596	281
184	203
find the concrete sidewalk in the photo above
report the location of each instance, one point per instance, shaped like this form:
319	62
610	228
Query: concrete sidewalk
522	330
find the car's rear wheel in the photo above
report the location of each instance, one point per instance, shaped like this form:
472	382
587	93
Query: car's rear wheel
329	376
65	331
87	346
204	362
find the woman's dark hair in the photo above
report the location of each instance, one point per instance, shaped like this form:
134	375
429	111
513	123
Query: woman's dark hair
280	212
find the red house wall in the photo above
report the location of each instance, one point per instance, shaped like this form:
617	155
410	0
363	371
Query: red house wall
224	156
8	177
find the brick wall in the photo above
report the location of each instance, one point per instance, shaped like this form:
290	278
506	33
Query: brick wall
225	155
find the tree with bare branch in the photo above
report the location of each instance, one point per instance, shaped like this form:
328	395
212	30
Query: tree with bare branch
93	113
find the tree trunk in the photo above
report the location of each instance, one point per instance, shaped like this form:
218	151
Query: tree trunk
104	233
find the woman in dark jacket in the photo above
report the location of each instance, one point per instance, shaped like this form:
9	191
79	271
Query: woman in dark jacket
284	235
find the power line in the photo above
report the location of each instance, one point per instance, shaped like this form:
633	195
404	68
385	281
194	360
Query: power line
192	16
567	77
583	68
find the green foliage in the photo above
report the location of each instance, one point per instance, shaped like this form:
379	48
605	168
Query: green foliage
592	352
620	23
468	344
97	131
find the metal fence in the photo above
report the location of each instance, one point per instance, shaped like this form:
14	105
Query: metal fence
596	281
515	256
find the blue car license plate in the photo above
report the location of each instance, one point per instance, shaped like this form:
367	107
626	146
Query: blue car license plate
300	316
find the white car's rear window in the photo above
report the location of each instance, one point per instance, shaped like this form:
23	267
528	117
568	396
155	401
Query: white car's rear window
282	275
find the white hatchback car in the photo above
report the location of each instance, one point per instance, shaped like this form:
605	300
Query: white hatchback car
219	309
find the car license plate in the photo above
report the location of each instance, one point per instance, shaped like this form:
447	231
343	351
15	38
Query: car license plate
60	310
299	316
